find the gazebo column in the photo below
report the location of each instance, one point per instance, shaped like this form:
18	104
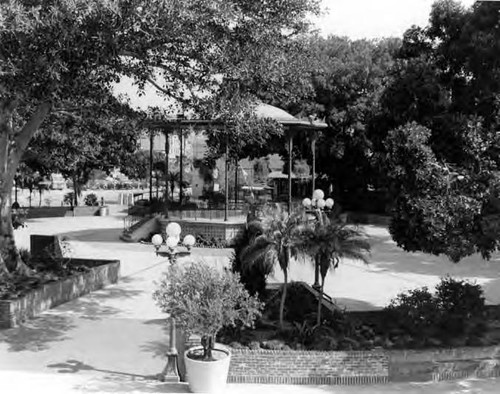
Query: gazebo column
313	151
235	183
167	149
181	150
226	179
151	138
290	148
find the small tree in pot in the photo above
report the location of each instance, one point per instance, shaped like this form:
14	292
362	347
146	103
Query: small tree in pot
202	300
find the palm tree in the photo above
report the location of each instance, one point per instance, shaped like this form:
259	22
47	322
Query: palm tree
328	242
277	243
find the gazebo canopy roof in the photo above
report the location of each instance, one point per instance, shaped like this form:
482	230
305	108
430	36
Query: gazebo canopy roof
261	110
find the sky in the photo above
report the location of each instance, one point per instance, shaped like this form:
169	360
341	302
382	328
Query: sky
374	18
353	18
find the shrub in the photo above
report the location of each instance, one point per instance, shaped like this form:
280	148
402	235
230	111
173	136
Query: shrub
91	200
203	299
456	310
416	312
69	198
462	306
25	255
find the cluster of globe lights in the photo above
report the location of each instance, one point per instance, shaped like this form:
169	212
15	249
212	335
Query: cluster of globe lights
173	232
318	201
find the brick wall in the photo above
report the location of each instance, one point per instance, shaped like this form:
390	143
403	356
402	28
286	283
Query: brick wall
362	367
308	367
220	231
444	364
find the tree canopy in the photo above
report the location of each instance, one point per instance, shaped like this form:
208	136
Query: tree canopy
61	56
438	133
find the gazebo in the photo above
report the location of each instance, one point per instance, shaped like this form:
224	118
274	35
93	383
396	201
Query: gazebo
292	126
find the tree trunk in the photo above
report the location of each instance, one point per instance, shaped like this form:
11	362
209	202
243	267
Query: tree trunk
320	301
12	145
283	299
75	190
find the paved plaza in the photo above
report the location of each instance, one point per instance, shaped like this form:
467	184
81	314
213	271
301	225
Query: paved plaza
115	339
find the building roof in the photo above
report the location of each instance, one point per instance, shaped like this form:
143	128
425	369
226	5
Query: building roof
262	110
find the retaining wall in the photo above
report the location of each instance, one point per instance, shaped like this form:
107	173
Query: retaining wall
49	295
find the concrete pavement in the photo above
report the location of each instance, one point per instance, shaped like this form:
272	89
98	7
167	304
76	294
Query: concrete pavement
115	339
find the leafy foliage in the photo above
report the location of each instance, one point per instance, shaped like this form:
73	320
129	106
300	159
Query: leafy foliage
328	241
276	244
437	133
202	300
91	200
253	277
59	58
456	310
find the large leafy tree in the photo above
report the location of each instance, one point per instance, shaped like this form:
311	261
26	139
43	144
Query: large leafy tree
75	146
58	53
347	79
438	133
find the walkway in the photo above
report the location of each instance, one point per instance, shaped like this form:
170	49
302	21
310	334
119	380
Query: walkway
114	340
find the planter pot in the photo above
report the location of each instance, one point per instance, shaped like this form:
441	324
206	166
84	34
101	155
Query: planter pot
103	211
208	376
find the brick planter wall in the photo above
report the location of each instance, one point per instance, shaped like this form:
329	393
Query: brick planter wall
308	367
362	367
223	231
102	272
444	364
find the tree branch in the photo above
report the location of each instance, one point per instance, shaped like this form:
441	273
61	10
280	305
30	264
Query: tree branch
29	129
165	91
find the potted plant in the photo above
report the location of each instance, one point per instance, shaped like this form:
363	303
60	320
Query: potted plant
203	299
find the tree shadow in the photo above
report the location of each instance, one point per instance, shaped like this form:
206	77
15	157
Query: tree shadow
93	307
354	305
117	381
37	334
386	256
104	235
158	348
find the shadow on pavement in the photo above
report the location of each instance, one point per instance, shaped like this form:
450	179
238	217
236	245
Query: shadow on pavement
35	335
54	325
117	381
158	348
387	257
355	305
95	235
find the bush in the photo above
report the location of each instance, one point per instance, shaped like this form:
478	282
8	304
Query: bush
69	198
203	299
457	310
462	305
416	312
91	200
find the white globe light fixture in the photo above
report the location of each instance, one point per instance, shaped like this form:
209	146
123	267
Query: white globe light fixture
329	203
171	242
173	229
189	241
306	202
318	194
321	203
157	241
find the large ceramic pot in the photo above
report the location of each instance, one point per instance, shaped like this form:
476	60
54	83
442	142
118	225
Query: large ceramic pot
208	376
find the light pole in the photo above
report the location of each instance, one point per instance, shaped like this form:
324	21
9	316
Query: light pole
170	372
317	205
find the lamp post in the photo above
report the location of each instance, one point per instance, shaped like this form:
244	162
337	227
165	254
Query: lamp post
317	205
170	372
